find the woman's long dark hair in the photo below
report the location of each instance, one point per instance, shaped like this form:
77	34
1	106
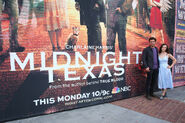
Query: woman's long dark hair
167	49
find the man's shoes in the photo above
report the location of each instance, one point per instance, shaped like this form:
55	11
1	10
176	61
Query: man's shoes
149	29
1	48
152	95
59	48
148	98
54	49
110	50
17	49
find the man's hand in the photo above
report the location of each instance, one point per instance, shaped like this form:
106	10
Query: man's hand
118	9
77	6
147	69
106	6
96	6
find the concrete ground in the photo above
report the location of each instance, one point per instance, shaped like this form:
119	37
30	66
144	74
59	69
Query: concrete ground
132	110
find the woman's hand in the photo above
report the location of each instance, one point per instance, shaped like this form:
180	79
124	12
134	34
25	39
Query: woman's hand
147	69
157	4
152	3
174	60
169	67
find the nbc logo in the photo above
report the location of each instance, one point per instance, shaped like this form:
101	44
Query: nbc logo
116	90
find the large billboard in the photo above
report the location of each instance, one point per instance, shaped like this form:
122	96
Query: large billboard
57	55
179	45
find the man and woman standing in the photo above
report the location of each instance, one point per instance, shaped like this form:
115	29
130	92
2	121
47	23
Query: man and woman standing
157	68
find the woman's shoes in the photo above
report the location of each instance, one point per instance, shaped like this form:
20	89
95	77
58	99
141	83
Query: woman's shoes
165	95
57	49
162	97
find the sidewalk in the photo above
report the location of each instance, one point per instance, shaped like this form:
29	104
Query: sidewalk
132	110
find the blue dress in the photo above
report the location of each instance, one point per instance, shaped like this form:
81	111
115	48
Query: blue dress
165	77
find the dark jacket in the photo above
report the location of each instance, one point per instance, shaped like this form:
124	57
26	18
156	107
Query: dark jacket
147	58
89	14
113	15
126	7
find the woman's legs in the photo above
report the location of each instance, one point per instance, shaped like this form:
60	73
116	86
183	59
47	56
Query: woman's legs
51	36
162	36
153	34
58	34
164	92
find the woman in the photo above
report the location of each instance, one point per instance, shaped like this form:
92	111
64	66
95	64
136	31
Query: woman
156	18
56	18
165	77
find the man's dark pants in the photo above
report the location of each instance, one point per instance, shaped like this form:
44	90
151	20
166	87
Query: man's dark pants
143	9
120	28
94	35
12	7
151	81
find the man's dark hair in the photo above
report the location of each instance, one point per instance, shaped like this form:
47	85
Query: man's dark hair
152	38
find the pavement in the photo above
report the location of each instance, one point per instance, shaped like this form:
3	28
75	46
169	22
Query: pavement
131	110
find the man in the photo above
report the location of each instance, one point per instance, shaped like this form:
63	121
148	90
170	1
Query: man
151	64
117	11
92	12
144	13
12	8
